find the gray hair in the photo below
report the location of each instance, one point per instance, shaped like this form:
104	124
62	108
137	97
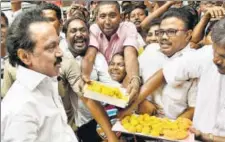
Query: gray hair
218	32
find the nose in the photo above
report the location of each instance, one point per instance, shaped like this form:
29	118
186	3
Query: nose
107	20
136	17
164	36
78	34
217	60
59	52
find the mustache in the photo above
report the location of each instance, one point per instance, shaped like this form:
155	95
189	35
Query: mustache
163	41
137	21
58	60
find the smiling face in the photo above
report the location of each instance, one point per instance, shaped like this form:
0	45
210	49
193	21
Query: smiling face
137	16
117	69
169	45
151	36
46	56
108	19
219	57
77	36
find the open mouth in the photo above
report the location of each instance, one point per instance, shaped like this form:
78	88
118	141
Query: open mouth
80	42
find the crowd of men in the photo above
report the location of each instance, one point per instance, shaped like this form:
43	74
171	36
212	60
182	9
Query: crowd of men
169	55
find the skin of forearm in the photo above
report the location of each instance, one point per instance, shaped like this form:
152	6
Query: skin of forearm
131	62
188	113
99	115
198	32
149	87
155	14
88	62
205	137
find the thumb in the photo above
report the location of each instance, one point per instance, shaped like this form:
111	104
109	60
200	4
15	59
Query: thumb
86	79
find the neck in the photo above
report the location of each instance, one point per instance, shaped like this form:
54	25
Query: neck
3	51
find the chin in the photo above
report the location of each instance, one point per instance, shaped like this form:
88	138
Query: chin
221	71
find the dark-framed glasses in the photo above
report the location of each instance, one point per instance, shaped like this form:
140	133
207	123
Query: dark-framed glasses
169	32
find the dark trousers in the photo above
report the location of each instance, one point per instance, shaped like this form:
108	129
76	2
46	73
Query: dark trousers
88	133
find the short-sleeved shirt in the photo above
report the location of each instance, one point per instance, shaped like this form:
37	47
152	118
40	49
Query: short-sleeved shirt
173	101
209	115
126	35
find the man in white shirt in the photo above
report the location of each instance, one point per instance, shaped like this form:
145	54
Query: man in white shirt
207	64
32	110
174	35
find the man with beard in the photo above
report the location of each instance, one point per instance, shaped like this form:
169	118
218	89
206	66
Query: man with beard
77	35
32	109
174	35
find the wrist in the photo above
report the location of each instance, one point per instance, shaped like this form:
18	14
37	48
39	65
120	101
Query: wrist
207	137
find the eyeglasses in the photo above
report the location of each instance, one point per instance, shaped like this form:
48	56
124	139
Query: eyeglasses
169	32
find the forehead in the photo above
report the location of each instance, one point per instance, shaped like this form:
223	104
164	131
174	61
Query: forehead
117	58
153	28
42	31
77	24
172	22
108	8
137	10
49	13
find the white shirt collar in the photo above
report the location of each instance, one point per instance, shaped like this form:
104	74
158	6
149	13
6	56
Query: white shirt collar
29	78
181	52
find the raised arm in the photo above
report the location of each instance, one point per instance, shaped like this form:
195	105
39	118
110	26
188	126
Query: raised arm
198	32
157	13
87	63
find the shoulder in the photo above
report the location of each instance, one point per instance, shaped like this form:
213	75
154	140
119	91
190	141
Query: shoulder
94	29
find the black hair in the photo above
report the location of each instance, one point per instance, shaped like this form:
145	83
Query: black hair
118	54
51	6
6	19
18	36
218	32
75	17
181	14
193	15
155	22
106	3
140	7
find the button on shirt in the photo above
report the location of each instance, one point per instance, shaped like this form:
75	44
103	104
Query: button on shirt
126	35
209	116
172	100
32	110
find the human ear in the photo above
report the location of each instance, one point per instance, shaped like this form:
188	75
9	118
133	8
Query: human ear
24	56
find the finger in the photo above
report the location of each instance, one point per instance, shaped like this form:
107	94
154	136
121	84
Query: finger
86	79
217	13
124	113
220	13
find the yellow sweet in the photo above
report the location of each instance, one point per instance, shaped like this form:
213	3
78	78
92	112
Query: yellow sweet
132	129
106	90
154	126
146	130
139	128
